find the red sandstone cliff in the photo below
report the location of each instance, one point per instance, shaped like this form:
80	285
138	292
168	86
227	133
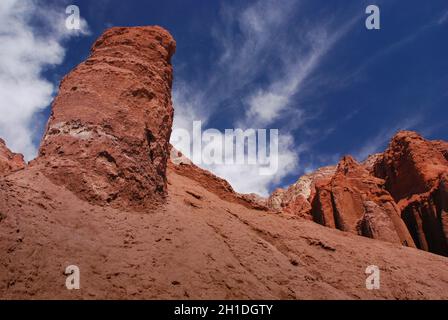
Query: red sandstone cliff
104	196
9	161
397	196
416	174
357	202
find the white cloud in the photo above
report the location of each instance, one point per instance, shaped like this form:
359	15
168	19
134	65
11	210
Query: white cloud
188	103
247	178
267	105
244	177
260	26
252	38
25	52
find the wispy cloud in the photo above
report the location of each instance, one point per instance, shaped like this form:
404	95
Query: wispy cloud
267	105
259	71
397	46
26	50
443	18
379	141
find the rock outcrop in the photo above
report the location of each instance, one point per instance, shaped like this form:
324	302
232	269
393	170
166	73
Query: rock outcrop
9	161
410	165
296	199
107	138
442	147
356	202
397	196
416	174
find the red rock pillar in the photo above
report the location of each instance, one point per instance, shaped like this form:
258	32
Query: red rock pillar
108	135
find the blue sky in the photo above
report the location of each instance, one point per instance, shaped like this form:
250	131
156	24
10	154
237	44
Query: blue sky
309	68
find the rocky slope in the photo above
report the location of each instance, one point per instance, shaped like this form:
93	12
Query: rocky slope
197	246
103	195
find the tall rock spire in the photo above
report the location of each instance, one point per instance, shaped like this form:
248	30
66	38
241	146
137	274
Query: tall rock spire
108	135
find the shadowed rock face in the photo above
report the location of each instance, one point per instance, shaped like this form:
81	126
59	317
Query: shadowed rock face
442	147
356	202
9	161
416	174
397	196
107	137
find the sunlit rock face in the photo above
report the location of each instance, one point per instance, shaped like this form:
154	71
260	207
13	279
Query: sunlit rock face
9	161
355	201
415	171
108	135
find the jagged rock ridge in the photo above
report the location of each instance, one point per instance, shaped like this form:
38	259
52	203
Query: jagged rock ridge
396	196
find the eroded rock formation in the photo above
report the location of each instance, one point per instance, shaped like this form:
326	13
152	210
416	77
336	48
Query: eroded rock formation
416	173
357	202
296	198
9	161
108	135
396	196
